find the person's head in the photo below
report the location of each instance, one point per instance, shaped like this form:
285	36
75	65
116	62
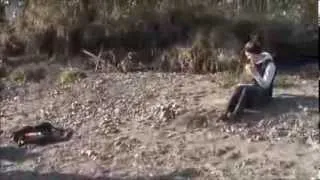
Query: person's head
253	50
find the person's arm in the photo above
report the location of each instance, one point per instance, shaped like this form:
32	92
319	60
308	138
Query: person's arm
266	80
247	76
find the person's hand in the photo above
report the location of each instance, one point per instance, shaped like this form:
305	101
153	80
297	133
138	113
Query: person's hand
253	70
249	69
246	75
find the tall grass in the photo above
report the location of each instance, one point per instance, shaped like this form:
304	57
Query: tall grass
217	28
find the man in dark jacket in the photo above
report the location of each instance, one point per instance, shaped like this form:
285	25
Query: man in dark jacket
258	92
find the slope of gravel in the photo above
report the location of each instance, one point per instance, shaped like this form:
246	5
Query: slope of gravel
160	126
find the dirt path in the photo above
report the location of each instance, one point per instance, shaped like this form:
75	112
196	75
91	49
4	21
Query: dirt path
160	126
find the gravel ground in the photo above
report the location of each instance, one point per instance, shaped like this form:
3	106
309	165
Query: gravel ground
160	126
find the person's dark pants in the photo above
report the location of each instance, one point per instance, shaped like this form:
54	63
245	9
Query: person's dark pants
247	96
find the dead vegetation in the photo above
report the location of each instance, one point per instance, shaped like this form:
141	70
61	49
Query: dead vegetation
69	76
284	82
163	36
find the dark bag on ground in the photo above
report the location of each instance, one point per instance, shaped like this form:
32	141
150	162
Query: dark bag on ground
42	134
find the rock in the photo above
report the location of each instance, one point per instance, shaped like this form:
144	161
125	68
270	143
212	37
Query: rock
92	169
309	141
74	105
16	98
180	178
89	153
283	133
198	122
225	137
234	155
224	150
287	164
249	162
117	111
220	152
171	134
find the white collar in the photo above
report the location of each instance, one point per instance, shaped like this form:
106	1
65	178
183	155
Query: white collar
266	56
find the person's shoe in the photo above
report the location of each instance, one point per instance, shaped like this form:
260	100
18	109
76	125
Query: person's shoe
231	116
224	116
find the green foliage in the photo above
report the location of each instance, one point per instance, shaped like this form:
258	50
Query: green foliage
70	76
18	76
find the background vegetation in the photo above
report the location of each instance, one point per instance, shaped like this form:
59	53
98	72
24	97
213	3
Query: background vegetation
180	35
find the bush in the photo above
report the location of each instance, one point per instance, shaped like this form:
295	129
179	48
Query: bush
18	76
194	36
70	76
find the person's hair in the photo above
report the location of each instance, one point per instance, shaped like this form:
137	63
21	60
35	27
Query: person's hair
253	46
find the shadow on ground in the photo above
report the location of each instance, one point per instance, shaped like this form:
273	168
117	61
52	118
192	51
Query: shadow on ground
28	175
11	153
15	154
280	105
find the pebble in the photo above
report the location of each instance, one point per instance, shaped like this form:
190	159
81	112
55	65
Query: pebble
117	111
309	141
234	155
147	114
90	153
283	133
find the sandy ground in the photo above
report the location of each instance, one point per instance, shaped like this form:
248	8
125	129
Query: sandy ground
160	126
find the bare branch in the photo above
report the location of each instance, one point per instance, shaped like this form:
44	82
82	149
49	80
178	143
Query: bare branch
97	59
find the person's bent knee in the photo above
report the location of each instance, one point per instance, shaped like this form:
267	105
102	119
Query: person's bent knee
239	87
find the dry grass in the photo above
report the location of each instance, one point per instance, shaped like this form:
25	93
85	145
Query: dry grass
230	79
29	73
310	71
212	41
284	81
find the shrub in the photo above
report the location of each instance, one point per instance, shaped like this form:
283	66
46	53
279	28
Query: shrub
70	76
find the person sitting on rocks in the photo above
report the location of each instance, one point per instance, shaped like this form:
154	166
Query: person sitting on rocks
261	71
